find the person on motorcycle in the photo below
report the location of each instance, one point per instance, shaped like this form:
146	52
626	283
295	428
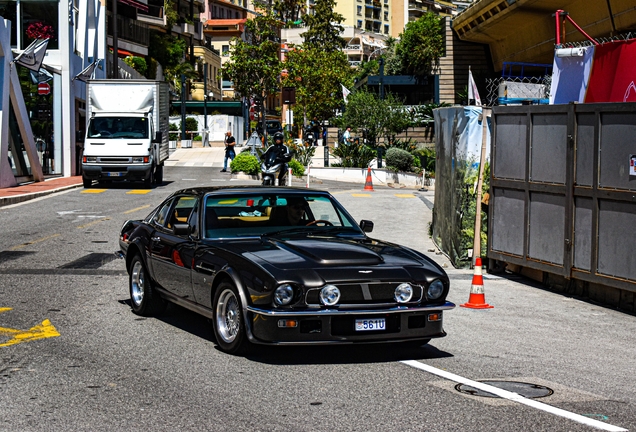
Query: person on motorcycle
283	154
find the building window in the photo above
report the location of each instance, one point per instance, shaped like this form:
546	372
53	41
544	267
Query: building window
225	50
39	20
386	29
359	23
386	15
359	10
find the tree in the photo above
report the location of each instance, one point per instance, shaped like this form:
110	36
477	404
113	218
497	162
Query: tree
317	75
367	113
318	67
289	11
255	66
421	45
324	27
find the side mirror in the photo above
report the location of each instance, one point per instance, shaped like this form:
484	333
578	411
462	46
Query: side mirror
366	226
181	229
158	137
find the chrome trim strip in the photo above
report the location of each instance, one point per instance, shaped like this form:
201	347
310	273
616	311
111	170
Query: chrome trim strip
328	312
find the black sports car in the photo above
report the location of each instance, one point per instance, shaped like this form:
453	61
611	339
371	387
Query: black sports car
280	266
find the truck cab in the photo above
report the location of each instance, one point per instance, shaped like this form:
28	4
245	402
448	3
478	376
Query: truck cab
120	147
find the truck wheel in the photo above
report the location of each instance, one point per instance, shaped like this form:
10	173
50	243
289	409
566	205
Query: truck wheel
151	177
159	174
87	182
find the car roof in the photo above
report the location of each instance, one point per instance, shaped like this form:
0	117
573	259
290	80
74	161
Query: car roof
203	190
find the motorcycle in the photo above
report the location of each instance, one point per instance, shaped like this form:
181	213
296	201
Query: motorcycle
274	165
310	136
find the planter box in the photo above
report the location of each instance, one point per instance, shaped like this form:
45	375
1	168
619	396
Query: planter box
172	144
359	175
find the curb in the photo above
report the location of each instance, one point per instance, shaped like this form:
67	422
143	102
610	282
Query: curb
5	201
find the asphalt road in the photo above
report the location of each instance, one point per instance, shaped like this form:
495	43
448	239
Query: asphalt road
83	361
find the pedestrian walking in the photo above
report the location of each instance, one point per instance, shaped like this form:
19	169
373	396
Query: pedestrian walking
346	136
230	142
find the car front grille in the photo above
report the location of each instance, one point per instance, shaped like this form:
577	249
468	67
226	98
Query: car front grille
116	160
364	294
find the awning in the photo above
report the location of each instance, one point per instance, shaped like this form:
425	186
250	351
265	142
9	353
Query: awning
229	107
136	4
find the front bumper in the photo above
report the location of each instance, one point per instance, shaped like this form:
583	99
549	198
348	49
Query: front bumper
332	326
117	172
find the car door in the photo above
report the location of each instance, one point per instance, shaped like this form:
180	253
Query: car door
171	254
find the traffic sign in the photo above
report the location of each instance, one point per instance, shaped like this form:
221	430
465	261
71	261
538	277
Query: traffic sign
44	89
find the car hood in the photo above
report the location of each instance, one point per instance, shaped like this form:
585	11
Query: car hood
328	254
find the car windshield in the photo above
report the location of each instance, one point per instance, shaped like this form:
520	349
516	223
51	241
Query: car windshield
280	214
118	127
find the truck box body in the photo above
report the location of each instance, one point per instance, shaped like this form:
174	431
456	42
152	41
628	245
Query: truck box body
126	130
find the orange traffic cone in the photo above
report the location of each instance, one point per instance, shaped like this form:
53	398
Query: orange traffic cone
368	185
477	299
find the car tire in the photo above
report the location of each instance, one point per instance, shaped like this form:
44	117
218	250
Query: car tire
144	299
151	177
159	174
228	322
87	182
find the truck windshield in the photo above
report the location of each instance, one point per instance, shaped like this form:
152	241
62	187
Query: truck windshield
118	127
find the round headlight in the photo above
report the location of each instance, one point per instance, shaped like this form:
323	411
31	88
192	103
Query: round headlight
403	293
329	295
283	295
435	290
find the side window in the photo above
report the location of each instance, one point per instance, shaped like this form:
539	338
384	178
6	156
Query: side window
161	217
182	208
193	220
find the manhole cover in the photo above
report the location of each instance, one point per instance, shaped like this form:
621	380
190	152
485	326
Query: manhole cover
531	391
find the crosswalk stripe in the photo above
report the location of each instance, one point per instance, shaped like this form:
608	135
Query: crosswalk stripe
139	192
93	191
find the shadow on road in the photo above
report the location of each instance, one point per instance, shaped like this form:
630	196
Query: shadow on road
201	327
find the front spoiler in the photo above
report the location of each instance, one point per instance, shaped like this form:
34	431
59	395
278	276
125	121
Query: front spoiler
328	312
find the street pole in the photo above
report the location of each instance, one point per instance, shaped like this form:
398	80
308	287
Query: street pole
115	70
205	105
381	78
183	109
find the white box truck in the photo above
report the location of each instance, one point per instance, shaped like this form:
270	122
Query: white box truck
126	131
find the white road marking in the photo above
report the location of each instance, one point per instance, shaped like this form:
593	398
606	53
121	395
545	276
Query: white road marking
514	397
188	179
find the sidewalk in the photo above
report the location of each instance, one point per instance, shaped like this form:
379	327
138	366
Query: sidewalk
34	190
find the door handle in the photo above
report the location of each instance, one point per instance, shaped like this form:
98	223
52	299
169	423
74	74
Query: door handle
204	268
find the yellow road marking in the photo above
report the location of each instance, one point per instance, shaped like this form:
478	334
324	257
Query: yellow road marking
93	223
20	246
40	331
360	195
138	192
93	191
405	195
137	209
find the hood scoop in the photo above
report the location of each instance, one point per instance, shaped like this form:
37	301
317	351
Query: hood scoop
333	252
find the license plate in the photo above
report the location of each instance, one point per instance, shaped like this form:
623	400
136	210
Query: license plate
115	174
370	324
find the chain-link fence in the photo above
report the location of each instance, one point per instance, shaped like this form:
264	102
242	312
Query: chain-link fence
516	91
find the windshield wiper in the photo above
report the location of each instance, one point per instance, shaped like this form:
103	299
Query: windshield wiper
291	231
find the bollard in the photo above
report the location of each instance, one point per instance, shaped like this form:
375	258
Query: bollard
326	164
289	176
307	176
379	157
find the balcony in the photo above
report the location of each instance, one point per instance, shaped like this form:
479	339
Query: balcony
129	30
154	16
